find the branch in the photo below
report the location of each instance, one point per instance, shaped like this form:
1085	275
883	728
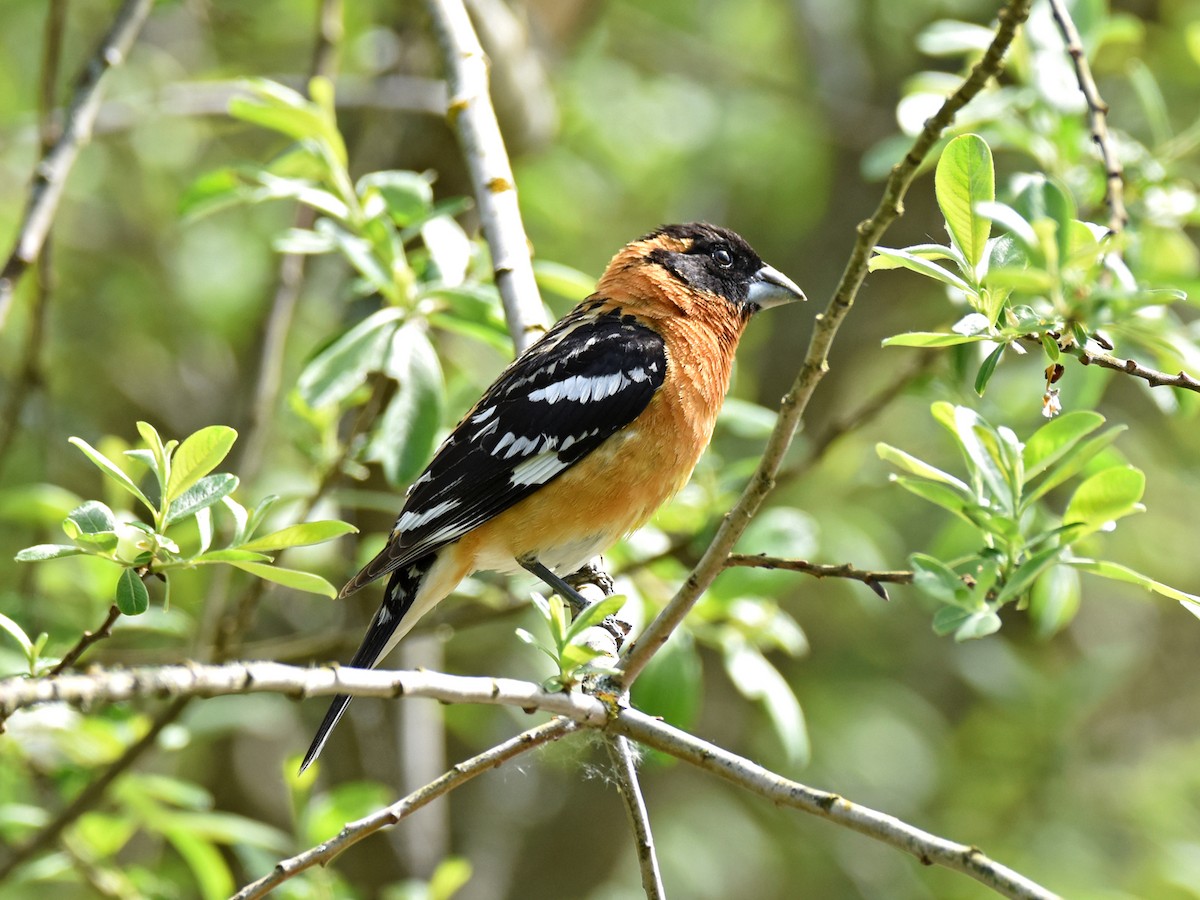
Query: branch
873	580
181	682
86	640
625	773
51	172
91	795
816	361
354	832
1130	367
473	119
114	685
928	848
1114	176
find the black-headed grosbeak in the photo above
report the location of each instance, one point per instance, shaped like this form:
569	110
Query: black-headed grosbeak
580	439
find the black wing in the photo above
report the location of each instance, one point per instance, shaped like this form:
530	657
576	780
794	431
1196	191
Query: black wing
587	378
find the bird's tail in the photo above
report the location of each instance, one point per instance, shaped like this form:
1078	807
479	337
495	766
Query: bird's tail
381	637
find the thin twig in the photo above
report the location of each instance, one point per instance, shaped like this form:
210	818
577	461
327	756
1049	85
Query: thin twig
354	832
269	380
928	848
100	686
816	361
625	774
94	792
873	580
1131	367
1114	175
50	174
86	640
28	374
473	119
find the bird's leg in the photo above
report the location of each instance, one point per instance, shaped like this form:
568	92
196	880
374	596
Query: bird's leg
589	574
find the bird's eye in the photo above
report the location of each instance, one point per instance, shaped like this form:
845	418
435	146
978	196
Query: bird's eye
722	257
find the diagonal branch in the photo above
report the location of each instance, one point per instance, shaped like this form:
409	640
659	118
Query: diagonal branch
930	849
816	361
86	640
473	119
1114	175
354	832
50	175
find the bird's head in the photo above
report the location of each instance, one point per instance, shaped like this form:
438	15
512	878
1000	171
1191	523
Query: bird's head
690	266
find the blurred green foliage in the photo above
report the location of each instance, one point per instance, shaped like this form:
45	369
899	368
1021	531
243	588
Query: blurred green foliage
1065	745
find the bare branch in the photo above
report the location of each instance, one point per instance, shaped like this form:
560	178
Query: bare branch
626	776
816	361
928	848
471	115
1131	367
91	795
458	775
1114	175
86	640
51	172
873	580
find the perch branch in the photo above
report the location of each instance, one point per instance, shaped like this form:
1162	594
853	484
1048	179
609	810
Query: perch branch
816	361
354	832
50	174
1152	377
873	580
471	115
182	682
1114	175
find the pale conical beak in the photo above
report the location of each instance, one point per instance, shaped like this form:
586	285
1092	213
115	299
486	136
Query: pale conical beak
770	287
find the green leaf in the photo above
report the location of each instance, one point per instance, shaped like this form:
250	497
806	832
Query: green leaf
924	267
933	339
132	598
92	517
199	454
1118	572
451	873
301	535
18	634
1054	600
965	176
201	495
297	580
405	437
39	552
989	366
408	196
1025	575
943	496
594	615
564	281
1018	226
1105	497
938	580
109	468
910	463
1040	199
1071	463
361	254
339	369
756	679
977	625
671	685
969	429
1048	444
228	555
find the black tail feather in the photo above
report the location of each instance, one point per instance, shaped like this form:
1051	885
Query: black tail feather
397	599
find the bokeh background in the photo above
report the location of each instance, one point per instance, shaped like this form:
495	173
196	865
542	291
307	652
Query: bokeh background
1074	758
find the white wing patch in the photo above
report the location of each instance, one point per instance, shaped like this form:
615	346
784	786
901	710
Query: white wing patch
537	469
415	518
583	388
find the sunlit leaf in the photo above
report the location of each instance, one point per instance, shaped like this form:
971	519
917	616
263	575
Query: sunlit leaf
199	454
1105	497
343	366
39	552
204	493
301	535
964	178
109	468
293	578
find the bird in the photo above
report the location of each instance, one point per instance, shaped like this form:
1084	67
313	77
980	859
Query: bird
581	438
